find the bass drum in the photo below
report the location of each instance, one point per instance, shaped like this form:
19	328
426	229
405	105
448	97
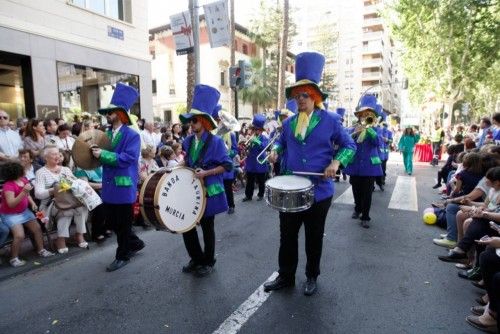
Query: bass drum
173	199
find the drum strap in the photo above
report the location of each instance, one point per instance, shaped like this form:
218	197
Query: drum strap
198	162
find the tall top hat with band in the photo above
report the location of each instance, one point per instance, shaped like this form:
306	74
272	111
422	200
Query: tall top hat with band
340	111
122	100
205	100
308	71
258	121
367	103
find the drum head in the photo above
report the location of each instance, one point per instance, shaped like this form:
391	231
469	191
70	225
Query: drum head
179	200
289	182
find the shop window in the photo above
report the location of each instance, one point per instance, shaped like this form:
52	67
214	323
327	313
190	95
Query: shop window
153	86
222	79
245	49
116	9
83	90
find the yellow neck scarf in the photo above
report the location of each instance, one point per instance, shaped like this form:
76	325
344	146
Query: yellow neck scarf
302	124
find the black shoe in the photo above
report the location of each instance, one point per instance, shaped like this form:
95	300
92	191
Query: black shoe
473	274
344	177
204	270
310	286
246	199
438	185
381	187
190	267
453	256
230	211
260	198
136	250
278	283
117	264
355	215
337	179
478	285
364	224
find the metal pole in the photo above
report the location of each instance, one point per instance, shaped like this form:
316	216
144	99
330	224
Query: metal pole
196	42
236	102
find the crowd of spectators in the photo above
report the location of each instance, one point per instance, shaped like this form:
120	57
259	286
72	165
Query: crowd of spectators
469	185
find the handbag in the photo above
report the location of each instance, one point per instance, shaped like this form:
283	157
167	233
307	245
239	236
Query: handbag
65	200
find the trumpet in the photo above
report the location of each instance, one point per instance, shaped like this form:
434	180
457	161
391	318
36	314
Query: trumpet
249	140
262	160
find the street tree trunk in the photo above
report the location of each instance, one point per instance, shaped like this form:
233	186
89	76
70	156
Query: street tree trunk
283	53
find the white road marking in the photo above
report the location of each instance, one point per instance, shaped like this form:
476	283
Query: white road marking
346	198
404	195
239	317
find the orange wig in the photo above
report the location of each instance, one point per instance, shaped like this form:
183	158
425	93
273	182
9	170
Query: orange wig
312	91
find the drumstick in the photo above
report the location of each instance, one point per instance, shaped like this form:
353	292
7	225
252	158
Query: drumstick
307	173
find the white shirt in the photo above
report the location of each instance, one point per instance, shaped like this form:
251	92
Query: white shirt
115	131
148	138
65	144
10	142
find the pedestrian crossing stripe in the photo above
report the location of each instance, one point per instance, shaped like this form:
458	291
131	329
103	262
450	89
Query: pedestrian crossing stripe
404	195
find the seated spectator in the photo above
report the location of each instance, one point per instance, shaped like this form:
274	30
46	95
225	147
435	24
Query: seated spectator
15	212
34	139
29	165
94	178
10	141
46	179
147	163
469	144
485	318
50	131
179	155
162	158
442	176
177	133
469	176
481	214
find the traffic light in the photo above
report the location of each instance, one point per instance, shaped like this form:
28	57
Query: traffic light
246	74
405	83
234	77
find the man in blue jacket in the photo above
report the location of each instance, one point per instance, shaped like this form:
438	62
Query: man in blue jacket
120	173
208	155
366	165
308	139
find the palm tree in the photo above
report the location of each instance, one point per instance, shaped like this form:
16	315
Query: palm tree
282	59
259	93
191	65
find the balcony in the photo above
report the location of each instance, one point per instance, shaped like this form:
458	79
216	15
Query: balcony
375	22
371	76
374	35
377	62
373	48
371	9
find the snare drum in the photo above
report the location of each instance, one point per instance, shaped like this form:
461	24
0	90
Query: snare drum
173	199
289	193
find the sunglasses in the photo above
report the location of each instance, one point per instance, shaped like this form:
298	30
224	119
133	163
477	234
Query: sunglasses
193	120
302	95
4	117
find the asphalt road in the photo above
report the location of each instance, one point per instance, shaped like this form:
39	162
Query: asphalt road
385	279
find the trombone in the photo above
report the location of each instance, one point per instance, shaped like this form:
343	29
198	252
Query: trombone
262	159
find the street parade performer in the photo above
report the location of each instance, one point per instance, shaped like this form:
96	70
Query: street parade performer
308	139
366	165
120	173
207	154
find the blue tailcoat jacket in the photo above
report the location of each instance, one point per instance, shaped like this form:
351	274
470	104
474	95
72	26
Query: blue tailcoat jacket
367	161
120	167
251	164
316	151
215	155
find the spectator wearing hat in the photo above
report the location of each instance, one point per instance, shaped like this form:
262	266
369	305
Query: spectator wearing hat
256	171
366	165
208	155
308	139
120	174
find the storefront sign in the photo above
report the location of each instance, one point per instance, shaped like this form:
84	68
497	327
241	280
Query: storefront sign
47	112
115	33
217	23
183	32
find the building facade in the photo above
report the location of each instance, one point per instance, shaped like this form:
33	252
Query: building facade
62	58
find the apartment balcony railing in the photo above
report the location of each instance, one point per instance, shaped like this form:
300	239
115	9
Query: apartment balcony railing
373	35
373	22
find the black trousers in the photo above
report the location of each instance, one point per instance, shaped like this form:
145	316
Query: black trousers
192	243
228	188
99	225
476	230
380	180
314	225
490	269
119	217
362	189
261	180
436	148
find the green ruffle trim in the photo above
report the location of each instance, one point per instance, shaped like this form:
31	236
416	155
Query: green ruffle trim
376	160
108	158
256	140
123	181
278	148
214	189
345	156
371	133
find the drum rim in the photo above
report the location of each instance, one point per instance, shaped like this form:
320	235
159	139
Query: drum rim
141	197
203	202
309	186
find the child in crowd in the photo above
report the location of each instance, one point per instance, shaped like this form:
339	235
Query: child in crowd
147	164
15	211
179	155
469	176
170	156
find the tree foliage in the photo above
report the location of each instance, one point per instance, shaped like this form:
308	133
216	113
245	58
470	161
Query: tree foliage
258	94
450	47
